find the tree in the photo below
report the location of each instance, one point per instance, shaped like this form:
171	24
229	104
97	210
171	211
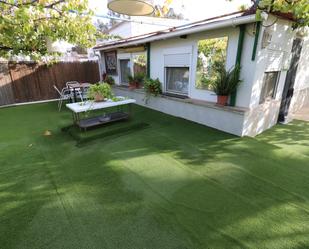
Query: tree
166	11
299	9
26	26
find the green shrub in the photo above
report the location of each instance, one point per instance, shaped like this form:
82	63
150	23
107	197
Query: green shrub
100	88
110	80
226	81
137	78
153	86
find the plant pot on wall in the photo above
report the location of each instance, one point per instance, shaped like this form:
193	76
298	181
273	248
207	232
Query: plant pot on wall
98	97
136	81
226	82
98	92
222	99
133	85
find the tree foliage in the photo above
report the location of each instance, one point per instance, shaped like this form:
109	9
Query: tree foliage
211	55
165	11
298	8
26	26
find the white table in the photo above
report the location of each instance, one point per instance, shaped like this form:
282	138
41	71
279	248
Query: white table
87	106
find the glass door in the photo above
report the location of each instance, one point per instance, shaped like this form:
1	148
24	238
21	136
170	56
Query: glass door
125	71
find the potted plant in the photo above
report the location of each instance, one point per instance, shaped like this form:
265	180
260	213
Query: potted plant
99	91
136	81
110	80
225	82
152	87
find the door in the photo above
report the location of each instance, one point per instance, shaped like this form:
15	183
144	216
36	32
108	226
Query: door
290	80
125	71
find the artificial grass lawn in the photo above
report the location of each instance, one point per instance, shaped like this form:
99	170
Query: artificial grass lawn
168	184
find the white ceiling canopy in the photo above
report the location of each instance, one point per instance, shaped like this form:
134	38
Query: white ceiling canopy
131	7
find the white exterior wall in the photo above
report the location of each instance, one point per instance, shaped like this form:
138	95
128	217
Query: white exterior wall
215	117
189	45
274	57
301	88
144	25
123	30
248	67
101	64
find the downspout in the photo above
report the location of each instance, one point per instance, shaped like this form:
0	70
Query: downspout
148	59
242	29
256	39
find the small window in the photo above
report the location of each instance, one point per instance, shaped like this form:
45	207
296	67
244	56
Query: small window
125	71
177	80
269	87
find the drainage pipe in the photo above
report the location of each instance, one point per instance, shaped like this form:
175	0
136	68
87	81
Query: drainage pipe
242	29
256	39
148	58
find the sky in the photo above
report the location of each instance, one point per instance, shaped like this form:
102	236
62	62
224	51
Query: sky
192	9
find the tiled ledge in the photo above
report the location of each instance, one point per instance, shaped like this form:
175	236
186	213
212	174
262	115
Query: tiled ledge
235	109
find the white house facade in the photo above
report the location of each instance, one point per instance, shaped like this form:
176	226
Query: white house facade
264	50
139	25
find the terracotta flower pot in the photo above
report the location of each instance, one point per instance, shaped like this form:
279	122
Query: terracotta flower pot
222	99
133	85
98	98
152	89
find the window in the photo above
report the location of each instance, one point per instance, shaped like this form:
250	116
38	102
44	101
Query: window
177	80
125	71
111	62
211	54
269	86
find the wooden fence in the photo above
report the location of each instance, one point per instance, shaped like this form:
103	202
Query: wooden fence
25	82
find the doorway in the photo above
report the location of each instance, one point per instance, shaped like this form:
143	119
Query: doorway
290	80
125	71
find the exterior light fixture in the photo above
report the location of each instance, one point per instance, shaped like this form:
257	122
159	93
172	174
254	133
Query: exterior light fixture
131	7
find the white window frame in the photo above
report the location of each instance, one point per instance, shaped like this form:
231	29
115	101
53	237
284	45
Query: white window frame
166	84
273	97
175	51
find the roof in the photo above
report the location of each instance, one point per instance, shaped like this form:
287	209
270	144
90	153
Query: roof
158	22
116	26
231	19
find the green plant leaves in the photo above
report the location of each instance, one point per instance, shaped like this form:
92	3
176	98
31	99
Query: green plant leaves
226	81
103	89
299	9
25	26
153	86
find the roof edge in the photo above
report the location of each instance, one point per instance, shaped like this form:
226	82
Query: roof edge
187	29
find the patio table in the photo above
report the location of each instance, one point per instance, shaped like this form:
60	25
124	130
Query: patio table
82	107
76	86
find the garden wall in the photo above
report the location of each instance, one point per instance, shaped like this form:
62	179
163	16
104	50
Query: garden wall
26	82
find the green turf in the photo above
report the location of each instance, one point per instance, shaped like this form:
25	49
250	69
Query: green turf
158	182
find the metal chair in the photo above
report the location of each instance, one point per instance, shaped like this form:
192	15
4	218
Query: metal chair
64	94
75	91
71	83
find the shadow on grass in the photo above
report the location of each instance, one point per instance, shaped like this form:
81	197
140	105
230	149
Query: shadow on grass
82	138
175	184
